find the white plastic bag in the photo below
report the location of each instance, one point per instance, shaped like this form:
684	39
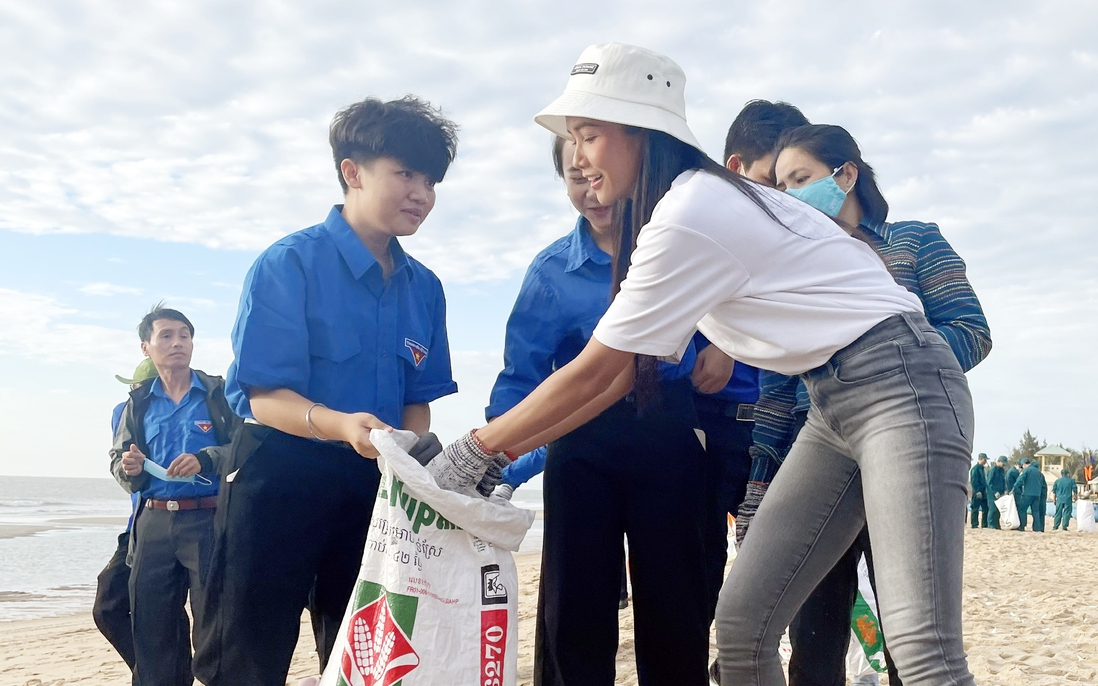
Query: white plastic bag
1084	515
1008	512
436	598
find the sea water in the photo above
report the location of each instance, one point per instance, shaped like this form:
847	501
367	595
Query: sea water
57	534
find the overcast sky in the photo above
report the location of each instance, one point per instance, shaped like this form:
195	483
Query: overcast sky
149	151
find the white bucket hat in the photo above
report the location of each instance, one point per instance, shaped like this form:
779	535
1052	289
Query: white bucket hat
623	84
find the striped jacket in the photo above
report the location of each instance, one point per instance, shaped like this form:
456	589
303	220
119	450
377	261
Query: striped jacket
922	261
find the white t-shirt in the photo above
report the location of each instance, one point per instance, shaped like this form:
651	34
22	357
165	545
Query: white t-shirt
783	298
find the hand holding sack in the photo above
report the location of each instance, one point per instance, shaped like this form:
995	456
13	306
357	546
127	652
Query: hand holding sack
436	598
462	465
1008	512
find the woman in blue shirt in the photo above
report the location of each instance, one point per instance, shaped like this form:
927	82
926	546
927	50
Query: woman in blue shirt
633	471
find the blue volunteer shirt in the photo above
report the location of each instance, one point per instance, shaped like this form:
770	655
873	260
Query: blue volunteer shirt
317	317
743	386
564	294
173	429
135	498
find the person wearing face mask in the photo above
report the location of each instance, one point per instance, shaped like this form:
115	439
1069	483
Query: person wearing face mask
822	166
778	285
633	471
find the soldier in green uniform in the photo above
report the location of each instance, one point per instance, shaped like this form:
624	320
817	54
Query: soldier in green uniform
1042	500
1027	489
996	487
977	479
1012	475
1064	491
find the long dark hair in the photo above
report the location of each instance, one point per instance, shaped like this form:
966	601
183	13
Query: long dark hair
834	146
663	158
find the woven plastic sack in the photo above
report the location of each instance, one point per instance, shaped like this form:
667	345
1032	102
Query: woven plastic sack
1008	512
436	598
865	654
1084	515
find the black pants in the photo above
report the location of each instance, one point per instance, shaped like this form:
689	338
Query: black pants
111	611
640	477
171	557
820	632
728	467
290	531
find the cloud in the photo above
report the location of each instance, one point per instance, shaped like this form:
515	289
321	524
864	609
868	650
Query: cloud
40	329
108	289
206	123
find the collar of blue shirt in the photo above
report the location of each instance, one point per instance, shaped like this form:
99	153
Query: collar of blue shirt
157	387
359	260
583	248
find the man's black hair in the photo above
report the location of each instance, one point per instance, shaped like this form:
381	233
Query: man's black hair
757	127
558	154
158	311
408	130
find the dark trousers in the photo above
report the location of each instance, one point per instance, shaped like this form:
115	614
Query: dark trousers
111	611
171	557
820	632
979	505
639	477
1039	506
1028	504
992	511
728	466
1063	514
290	530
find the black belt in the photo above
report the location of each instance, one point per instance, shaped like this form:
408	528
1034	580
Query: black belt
743	412
206	503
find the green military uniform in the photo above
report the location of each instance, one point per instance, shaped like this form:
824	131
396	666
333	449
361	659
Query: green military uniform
1042	501
1064	491
996	487
1012	478
977	479
1027	490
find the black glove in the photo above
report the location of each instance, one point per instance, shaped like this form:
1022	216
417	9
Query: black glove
461	465
426	448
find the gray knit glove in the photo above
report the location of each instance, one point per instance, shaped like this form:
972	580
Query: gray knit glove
493	475
461	465
504	491
750	505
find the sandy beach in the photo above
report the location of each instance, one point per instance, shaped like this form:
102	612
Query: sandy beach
1030	618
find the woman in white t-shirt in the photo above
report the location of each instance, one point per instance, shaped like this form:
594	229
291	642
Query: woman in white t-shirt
778	285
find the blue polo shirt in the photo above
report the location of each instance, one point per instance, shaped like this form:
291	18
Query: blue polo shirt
317	317
564	294
173	429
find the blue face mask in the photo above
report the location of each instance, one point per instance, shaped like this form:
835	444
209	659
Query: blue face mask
159	472
823	194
